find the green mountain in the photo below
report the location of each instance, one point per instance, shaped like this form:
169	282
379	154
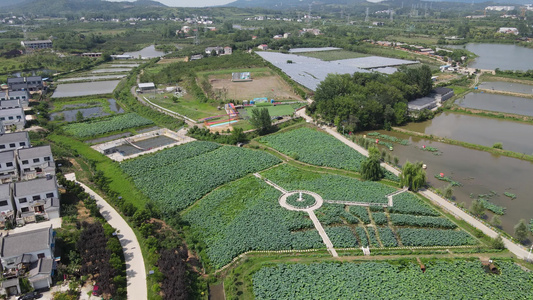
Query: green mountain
58	7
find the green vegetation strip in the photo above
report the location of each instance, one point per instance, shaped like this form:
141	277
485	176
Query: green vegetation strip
447	179
115	123
389	138
392	280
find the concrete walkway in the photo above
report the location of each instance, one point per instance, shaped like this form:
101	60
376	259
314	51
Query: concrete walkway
518	250
135	271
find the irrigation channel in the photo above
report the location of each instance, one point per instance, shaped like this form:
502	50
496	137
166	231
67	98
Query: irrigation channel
313	202
478	172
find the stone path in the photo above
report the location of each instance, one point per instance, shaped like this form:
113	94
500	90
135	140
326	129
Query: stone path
518	250
135	270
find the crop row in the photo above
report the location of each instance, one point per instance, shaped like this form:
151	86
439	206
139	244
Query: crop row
421	221
457	279
408	203
176	185
387	237
335	214
342	237
434	237
330	187
115	123
317	148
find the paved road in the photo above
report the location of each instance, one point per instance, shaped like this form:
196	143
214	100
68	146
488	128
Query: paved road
518	250
135	271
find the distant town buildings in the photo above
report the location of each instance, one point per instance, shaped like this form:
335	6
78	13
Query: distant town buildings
35	45
263	47
511	30
500	8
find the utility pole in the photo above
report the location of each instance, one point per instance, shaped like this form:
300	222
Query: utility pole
366	17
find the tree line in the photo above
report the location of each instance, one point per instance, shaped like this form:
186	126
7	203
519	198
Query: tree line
365	101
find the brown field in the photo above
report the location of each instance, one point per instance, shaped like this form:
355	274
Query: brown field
171	60
270	86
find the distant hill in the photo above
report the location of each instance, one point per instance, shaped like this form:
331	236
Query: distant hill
281	4
57	7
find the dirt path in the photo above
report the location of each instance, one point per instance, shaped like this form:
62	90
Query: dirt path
135	271
518	250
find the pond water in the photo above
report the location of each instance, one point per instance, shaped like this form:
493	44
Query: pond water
502	56
497	103
514	136
89	112
479	172
85	88
146	144
124	65
146	53
507	87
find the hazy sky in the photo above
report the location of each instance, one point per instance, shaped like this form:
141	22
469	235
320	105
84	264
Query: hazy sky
190	3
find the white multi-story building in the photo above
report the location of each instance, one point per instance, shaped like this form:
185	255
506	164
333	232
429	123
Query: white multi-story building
36	197
35	162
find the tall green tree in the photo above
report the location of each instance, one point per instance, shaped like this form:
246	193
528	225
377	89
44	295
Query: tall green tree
371	168
261	120
413	176
477	208
521	231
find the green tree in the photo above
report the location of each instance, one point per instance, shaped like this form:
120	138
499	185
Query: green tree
477	208
497	146
521	231
370	168
448	192
261	120
496	221
413	176
79	116
497	243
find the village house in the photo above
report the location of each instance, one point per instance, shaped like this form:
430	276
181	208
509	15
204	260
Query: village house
30	254
263	47
35	162
7	208
8	167
512	30
12	116
12	141
23	96
31	84
38	197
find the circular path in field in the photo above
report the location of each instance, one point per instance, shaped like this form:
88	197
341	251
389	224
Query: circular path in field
316	205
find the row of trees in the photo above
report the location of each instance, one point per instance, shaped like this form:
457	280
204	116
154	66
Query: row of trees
370	100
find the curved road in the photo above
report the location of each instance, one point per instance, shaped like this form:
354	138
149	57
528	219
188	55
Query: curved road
518	250
135	271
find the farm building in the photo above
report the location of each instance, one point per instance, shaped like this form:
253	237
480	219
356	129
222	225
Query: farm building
145	87
435	99
241	76
45	44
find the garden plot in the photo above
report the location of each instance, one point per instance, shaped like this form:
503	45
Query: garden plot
85	89
114	123
144	143
455	279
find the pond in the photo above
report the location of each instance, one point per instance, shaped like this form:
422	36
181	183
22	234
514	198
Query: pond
146	144
92	78
497	103
514	136
146	53
479	172
507	87
35	72
89	112
502	56
111	70
85	89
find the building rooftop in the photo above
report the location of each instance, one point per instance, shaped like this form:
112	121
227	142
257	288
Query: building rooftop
9	104
4	191
34	152
38	41
42	266
11	112
14	93
421	103
7	156
25	242
442	90
21	136
36	186
146	85
15	80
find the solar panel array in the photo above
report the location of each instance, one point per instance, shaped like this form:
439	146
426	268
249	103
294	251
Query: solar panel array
309	71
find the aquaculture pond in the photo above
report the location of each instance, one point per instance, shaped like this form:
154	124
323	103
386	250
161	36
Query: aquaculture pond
498	103
146	144
502	56
70	111
85	89
514	136
508	87
478	172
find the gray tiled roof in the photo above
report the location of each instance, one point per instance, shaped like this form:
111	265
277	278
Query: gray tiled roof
7	156
9	103
4	191
21	136
25	242
12	112
15	80
24	188
42	266
34	152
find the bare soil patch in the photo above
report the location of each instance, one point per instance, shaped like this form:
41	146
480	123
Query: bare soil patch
271	87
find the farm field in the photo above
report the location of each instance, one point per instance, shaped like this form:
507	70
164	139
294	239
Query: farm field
176	177
275	111
265	83
245	215
114	123
186	105
316	148
455	279
333	55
